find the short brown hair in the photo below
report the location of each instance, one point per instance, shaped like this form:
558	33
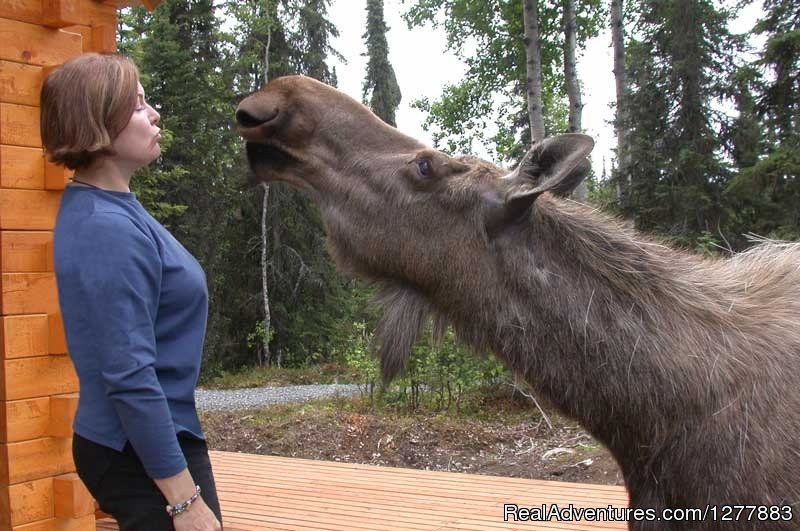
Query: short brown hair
85	104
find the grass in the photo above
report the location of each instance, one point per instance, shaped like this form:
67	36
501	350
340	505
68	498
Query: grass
484	403
487	404
329	373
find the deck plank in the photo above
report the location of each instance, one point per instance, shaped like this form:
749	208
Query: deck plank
265	492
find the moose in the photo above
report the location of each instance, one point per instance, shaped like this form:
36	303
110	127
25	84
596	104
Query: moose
685	367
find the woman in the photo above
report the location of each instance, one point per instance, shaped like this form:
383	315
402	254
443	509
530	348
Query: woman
134	304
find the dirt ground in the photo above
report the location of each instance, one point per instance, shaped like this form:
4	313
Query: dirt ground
507	438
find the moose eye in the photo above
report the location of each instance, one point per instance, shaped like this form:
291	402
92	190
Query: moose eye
425	168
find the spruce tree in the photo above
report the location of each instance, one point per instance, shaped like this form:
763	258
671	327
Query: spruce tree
780	101
766	192
314	36
381	91
194	74
308	298
191	187
257	25
679	66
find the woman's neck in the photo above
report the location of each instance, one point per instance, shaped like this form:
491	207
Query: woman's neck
105	174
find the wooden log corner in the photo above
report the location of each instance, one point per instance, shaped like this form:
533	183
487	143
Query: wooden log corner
148	4
62	413
71	498
61	13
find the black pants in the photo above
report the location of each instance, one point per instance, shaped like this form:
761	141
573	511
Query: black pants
122	488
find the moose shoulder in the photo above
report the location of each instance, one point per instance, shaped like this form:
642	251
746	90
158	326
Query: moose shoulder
685	367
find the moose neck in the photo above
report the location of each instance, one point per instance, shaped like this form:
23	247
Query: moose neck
613	329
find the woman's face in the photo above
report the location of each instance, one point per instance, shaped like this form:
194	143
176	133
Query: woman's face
137	144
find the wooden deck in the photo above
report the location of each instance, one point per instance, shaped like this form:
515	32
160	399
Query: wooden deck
265	492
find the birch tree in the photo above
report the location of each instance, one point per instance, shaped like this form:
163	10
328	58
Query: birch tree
265	358
489	106
570	25
570	69
620	78
533	64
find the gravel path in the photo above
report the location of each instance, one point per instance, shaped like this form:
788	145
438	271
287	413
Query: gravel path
210	400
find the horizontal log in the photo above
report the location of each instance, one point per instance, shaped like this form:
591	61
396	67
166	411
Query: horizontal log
5	508
62	413
27	502
28	293
72	500
37	377
86	35
20	83
61	13
36	45
24	336
28	209
26	251
22	10
57	339
84	523
33	418
56	176
21	167
19	125
23	420
36	459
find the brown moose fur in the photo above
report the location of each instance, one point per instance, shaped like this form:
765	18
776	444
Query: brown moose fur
684	367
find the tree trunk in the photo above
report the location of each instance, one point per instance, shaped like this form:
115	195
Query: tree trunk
533	64
618	43
570	26
266	359
570	71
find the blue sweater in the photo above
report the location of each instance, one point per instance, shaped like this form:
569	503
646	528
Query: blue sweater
134	303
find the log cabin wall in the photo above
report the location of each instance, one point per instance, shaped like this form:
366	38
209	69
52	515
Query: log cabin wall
39	490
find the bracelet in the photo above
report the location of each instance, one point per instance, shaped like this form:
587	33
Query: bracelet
175	510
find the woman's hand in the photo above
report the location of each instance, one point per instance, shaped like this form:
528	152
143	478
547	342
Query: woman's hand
197	517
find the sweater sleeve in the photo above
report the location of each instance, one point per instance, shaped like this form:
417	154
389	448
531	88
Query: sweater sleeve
121	279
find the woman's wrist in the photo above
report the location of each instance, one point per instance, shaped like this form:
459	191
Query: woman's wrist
178	508
177	488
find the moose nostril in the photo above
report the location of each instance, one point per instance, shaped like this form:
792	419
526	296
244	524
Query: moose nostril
245	119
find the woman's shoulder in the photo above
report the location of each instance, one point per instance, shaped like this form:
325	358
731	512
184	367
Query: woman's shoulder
106	227
99	210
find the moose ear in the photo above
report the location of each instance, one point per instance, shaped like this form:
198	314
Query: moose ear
556	165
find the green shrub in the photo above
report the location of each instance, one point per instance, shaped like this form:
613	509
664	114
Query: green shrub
438	376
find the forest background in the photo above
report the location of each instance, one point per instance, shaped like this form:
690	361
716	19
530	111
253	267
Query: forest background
707	154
